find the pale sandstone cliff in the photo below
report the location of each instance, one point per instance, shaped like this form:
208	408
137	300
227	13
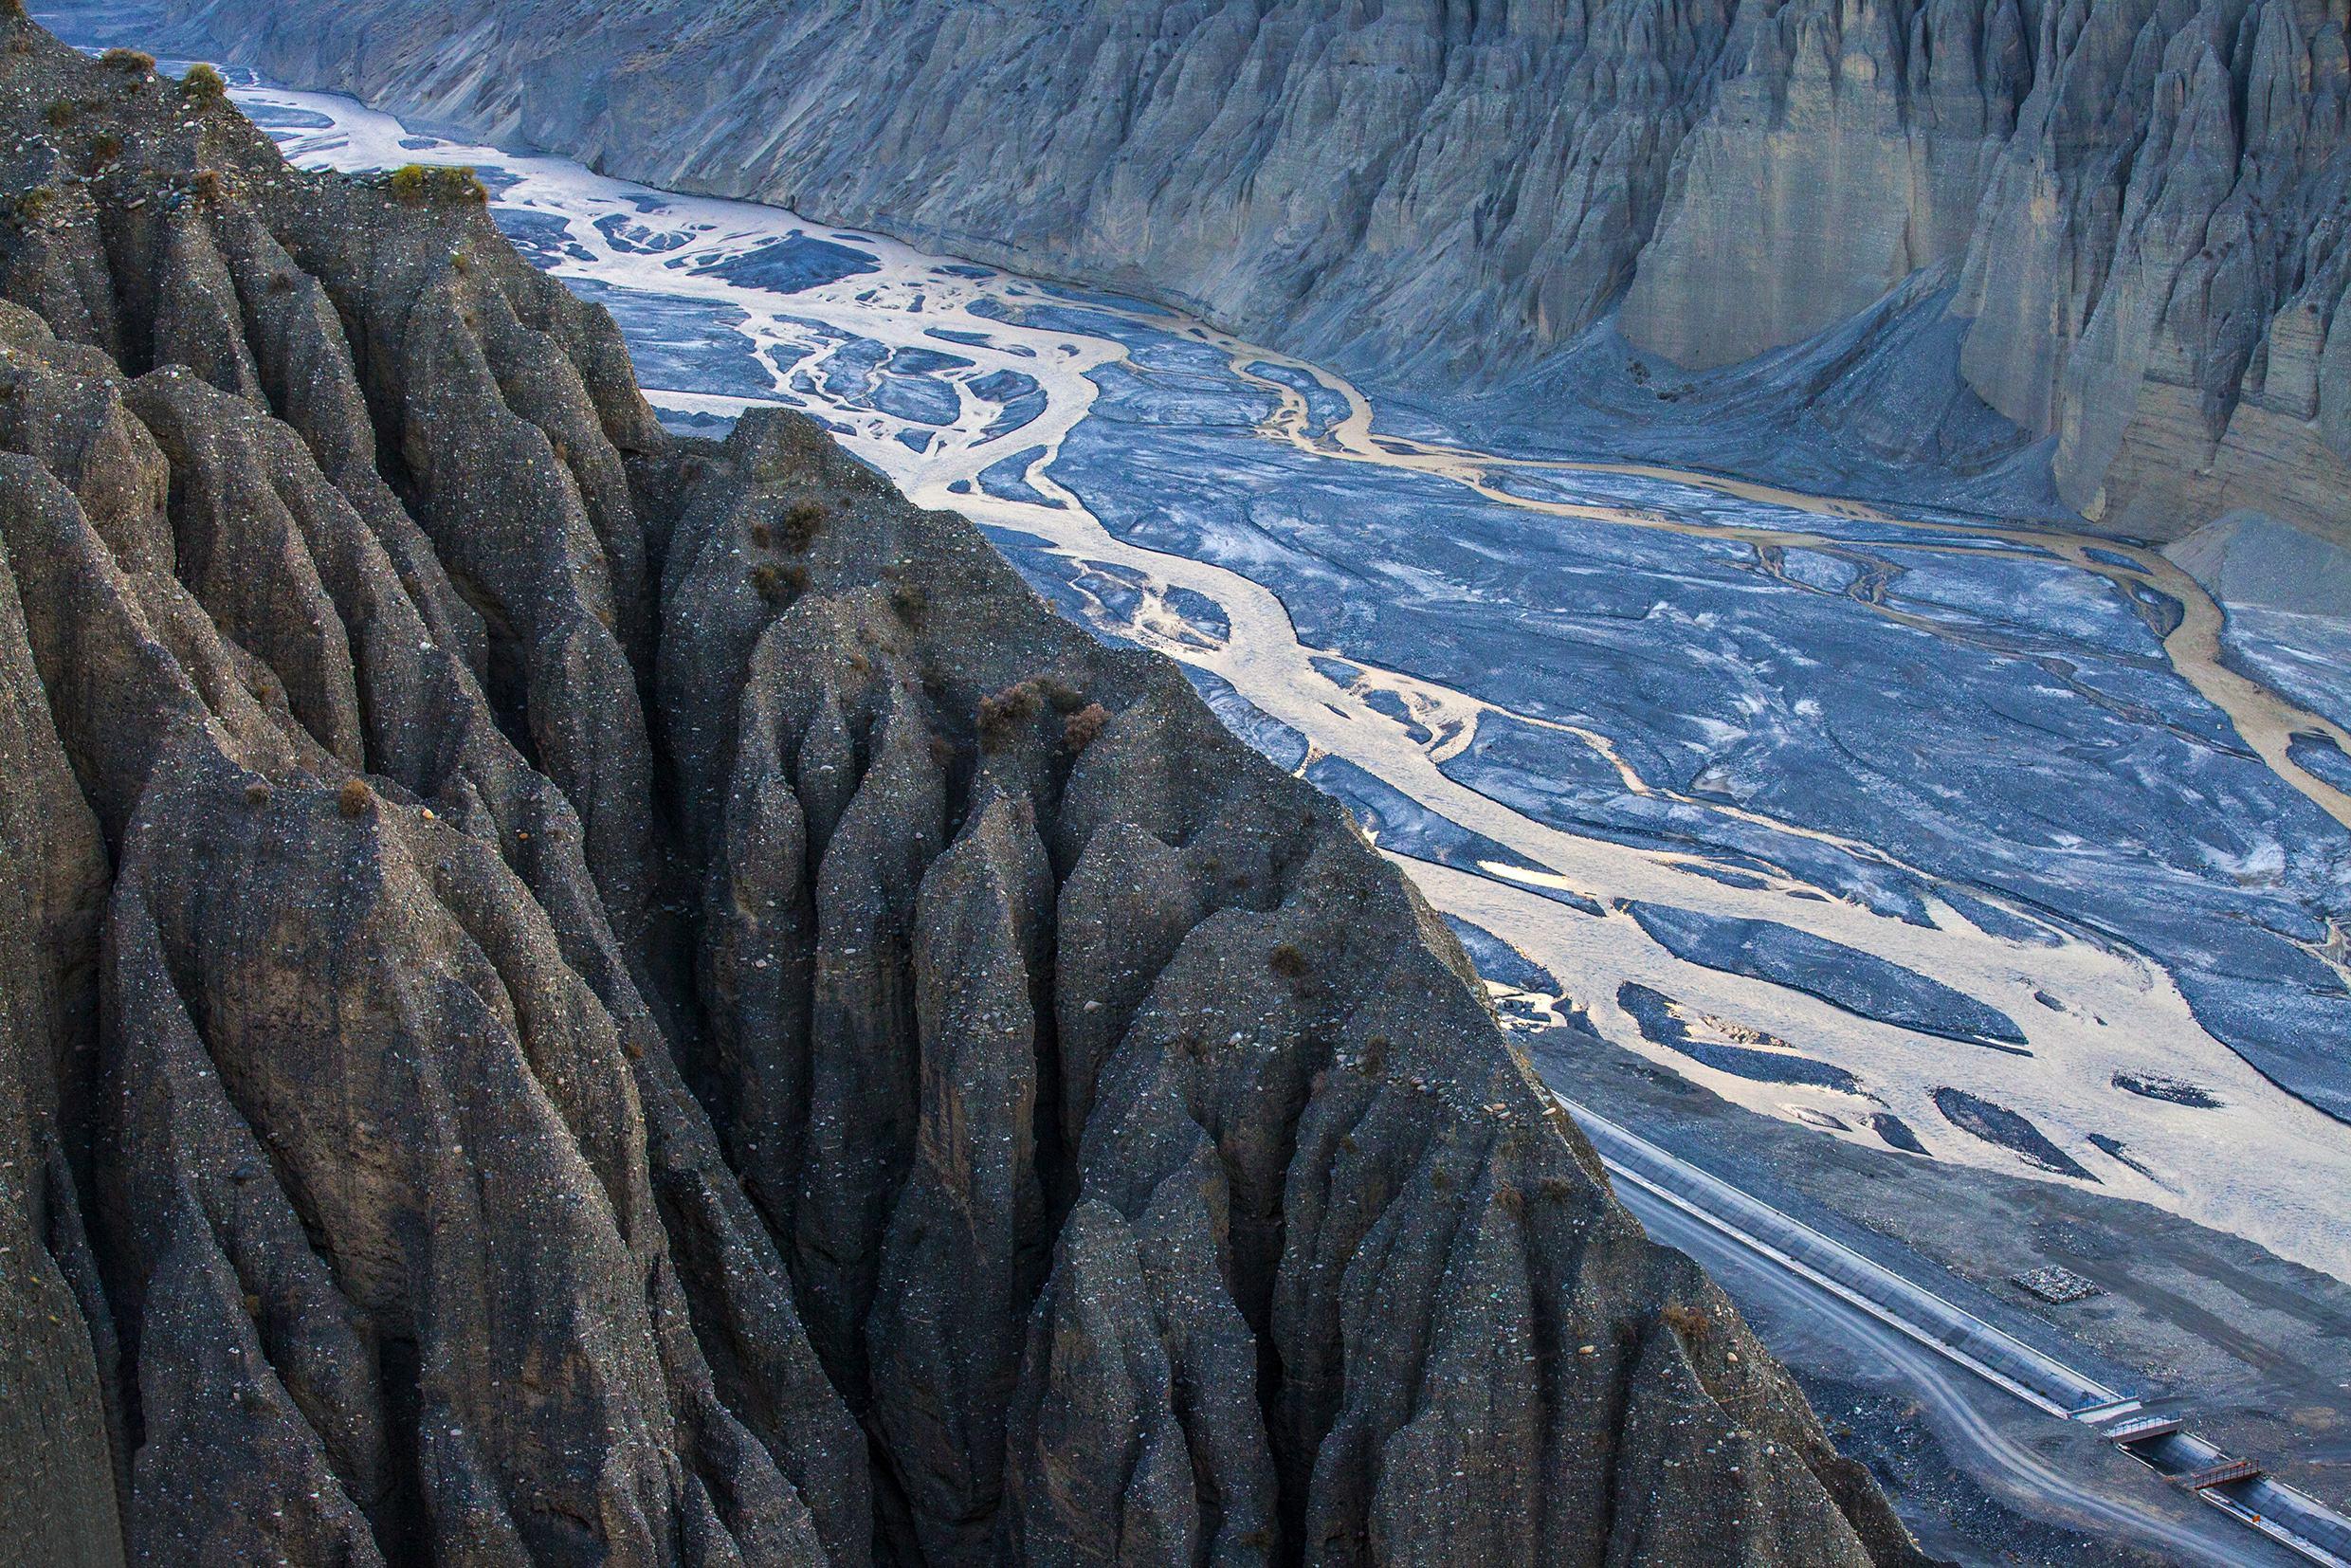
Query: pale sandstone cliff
573	997
2146	197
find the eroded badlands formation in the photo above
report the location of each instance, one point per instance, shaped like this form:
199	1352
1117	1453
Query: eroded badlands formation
574	995
2134	211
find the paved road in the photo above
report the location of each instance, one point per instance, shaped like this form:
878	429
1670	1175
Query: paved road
1979	1387
1975	1421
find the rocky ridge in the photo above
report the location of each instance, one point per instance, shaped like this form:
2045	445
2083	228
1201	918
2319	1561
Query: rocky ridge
2142	204
574	996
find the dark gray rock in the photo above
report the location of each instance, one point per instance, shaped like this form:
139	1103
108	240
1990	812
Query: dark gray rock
573	997
58	1423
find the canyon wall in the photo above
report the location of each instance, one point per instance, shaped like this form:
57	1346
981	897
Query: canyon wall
2145	200
571	996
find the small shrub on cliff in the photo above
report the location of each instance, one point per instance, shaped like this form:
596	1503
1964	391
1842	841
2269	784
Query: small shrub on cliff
1001	715
1287	961
464	184
803	521
425	182
1081	728
353	798
210	185
59	113
29	205
105	147
779	584
202	85
128	59
1688	1321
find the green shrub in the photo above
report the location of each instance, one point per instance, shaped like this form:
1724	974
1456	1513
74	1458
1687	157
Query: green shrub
59	113
203	84
425	182
128	59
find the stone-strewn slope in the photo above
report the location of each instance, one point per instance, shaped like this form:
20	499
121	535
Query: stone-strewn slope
573	997
2145	199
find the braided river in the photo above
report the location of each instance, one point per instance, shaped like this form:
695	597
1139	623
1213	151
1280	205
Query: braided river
1963	840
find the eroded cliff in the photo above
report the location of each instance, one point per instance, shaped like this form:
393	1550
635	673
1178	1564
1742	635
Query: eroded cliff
2142	201
574	995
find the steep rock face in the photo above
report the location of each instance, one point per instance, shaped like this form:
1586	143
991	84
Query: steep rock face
2158	262
59	1489
577	996
1845	151
2144	198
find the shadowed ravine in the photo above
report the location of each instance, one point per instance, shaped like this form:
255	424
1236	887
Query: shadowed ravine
577	996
